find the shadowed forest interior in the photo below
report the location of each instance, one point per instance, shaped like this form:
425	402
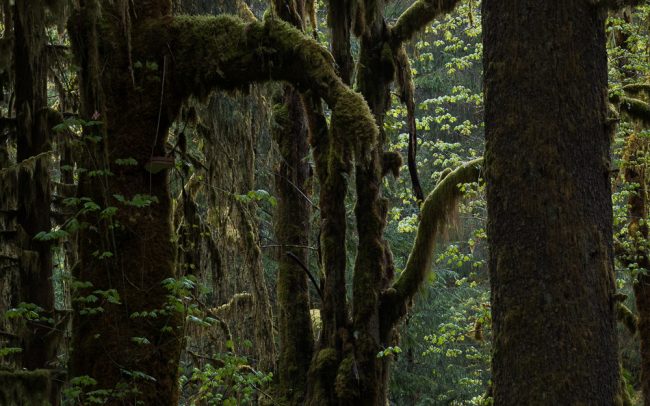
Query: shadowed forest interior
324	202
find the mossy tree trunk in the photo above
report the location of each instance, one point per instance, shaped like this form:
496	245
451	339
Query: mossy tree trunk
134	357
227	254
346	369
549	203
233	123
635	172
292	229
33	138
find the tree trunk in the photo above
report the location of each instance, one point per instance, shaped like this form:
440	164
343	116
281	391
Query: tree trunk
33	216
292	229
549	203
130	346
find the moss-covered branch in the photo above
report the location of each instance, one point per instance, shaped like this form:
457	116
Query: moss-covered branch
435	213
636	108
416	17
205	53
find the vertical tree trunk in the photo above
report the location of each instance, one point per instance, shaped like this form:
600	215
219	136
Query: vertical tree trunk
549	204
131	348
233	124
39	345
292	229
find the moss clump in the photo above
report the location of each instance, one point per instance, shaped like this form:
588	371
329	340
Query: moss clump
353	125
325	359
345	379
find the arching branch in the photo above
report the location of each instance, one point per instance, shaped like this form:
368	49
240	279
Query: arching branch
224	52
434	216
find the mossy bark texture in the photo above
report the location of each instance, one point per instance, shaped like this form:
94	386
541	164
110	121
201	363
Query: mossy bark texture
293	182
33	138
549	203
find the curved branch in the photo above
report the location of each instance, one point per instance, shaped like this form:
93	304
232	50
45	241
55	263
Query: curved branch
416	17
224	52
434	215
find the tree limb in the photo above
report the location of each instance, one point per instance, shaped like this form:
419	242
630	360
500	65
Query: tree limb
235	54
434	215
416	17
636	108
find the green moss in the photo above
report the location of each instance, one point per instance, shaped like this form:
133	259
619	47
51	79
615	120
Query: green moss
345	385
353	125
636	108
325	359
434	215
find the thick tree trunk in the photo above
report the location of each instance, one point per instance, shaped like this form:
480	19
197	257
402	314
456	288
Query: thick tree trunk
549	204
130	347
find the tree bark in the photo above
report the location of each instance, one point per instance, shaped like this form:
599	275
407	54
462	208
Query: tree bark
131	252
33	216
292	229
549	203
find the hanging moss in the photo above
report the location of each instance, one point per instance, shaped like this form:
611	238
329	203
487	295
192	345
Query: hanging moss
391	162
388	63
